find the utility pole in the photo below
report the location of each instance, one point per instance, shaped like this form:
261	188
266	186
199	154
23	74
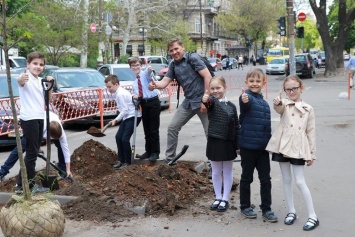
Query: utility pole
84	48
291	35
99	57
201	35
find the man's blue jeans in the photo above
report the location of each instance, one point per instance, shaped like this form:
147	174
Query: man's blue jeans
12	159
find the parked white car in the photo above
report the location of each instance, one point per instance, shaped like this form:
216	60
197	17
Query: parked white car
346	56
277	66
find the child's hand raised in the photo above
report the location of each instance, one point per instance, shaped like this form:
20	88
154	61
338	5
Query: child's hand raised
149	67
152	84
205	97
23	78
245	97
278	100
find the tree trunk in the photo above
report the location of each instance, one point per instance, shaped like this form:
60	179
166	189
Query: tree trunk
333	45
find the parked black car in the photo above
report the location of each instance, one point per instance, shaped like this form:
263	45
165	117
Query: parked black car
305	66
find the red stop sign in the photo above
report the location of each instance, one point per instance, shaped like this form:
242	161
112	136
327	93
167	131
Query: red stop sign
93	27
301	16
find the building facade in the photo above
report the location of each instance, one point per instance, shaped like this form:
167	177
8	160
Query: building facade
211	39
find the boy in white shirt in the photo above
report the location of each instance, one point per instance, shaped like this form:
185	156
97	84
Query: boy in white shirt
32	114
126	116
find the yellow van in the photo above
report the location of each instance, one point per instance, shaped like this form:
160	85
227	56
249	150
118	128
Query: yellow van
277	52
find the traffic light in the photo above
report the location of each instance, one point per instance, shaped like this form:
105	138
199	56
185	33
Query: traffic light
247	42
282	26
300	32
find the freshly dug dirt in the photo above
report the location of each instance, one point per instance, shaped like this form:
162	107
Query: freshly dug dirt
94	131
105	194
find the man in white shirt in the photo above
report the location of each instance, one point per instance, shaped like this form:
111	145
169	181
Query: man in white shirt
126	116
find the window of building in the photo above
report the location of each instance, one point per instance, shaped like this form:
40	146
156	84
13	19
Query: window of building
197	25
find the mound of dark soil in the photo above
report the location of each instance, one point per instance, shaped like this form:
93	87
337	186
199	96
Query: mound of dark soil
105	194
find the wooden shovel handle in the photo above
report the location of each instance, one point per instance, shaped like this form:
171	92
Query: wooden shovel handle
106	126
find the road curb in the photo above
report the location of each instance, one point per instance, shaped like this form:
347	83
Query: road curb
5	197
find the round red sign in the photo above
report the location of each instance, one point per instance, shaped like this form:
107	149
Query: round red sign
301	16
93	27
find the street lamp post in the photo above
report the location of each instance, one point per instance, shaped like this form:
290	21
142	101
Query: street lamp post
143	31
201	34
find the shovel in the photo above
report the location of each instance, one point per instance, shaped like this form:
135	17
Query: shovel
62	172
48	181
178	156
93	131
133	150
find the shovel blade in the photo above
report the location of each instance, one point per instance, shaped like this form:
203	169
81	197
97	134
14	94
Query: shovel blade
95	132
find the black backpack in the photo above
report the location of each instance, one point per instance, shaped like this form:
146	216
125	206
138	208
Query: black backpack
207	63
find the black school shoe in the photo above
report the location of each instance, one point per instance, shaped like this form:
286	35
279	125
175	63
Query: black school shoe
215	204
153	157
145	155
311	224
290	218
223	207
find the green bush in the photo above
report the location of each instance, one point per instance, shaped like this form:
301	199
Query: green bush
123	58
69	60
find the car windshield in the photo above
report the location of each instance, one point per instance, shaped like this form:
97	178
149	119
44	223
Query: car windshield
22	62
277	61
124	74
72	79
300	58
4	92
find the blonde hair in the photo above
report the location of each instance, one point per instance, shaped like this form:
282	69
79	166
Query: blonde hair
257	72
55	129
294	78
220	79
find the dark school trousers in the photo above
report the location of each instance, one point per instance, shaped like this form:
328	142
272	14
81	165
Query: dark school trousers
151	123
123	137
33	133
259	159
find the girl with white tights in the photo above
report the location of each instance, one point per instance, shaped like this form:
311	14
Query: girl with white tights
222	176
293	145
222	140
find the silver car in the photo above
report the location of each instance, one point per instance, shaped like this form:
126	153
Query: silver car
277	66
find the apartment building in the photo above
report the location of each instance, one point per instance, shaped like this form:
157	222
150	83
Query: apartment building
211	39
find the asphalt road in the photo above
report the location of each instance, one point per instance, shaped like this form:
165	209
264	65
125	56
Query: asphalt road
330	178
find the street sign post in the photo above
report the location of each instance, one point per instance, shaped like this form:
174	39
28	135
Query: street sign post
93	27
301	16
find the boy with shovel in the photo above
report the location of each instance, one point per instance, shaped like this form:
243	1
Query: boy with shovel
126	107
150	104
60	141
32	114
